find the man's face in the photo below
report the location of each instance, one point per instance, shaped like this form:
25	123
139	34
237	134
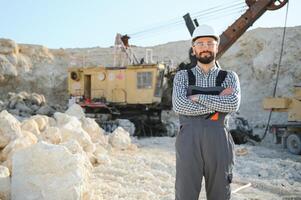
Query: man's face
205	49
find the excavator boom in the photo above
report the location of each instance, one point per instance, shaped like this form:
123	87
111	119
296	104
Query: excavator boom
256	9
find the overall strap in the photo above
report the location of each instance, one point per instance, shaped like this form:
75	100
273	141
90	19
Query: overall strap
220	77
191	77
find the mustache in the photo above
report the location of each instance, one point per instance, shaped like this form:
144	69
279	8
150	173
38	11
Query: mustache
209	52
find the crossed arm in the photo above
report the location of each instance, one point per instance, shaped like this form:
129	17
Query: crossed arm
227	101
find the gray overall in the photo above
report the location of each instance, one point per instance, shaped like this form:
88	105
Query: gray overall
203	148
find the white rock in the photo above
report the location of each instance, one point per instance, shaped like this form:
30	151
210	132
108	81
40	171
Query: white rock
31	126
22	142
100	149
61	119
71	129
101	155
76	111
127	125
92	128
4	183
45	171
9	128
73	146
80	135
42	121
92	158
37	99
52	135
120	139
103	159
51	121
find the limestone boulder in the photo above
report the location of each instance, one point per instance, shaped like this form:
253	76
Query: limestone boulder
103	159
26	140
102	155
10	128
37	99
100	149
96	133
76	111
127	125
42	121
71	128
31	126
4	183
51	135
120	139
61	119
46	171
73	146
78	134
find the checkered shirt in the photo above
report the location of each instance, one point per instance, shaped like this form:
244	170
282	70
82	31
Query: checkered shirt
206	103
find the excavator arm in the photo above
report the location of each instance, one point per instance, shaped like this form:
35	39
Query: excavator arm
256	9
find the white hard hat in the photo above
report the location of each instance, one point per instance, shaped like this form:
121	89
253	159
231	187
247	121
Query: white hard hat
204	31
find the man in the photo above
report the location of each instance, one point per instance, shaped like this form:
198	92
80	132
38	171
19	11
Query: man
203	147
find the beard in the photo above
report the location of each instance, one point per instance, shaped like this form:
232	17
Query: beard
205	59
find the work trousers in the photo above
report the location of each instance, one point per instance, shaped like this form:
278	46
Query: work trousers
203	149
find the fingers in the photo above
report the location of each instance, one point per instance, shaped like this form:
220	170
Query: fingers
193	97
227	91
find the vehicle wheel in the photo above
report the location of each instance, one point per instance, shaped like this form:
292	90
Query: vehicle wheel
171	129
293	143
238	137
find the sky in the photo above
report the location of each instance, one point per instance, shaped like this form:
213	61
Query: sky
91	23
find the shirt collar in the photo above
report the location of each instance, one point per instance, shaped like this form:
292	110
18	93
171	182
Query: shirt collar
212	69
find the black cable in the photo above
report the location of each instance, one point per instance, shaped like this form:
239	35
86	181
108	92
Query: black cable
218	10
229	12
223	14
277	74
221	5
181	21
207	18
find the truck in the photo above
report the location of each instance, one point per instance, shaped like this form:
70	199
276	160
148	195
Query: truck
287	134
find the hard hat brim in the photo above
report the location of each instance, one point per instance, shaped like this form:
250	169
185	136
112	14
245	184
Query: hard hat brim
212	36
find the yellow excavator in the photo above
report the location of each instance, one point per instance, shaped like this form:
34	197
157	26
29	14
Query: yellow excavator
141	90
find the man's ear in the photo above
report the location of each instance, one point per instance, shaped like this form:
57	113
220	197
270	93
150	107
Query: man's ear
192	51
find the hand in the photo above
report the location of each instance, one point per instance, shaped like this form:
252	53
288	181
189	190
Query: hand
227	91
193	97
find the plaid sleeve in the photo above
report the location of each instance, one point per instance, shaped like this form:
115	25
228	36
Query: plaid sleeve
181	104
227	104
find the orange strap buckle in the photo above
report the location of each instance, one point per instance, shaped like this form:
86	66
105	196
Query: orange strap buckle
214	117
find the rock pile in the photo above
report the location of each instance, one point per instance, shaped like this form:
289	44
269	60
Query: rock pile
25	104
54	155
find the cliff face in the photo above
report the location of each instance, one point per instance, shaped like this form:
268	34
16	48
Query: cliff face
35	68
255	57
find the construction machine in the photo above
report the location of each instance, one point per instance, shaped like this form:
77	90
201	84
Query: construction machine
127	90
141	90
289	133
